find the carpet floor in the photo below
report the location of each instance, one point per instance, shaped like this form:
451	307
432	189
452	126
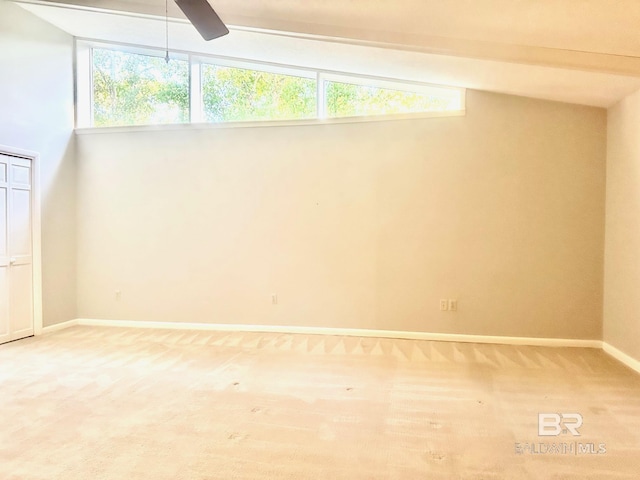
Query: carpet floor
134	404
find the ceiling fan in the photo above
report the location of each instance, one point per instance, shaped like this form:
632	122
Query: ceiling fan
203	17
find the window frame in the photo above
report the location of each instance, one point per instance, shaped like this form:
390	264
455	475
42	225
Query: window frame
83	72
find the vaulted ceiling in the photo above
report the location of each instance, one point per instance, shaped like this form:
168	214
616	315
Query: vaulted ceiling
594	45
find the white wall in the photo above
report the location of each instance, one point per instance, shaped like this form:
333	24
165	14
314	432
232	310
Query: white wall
355	225
36	113
622	254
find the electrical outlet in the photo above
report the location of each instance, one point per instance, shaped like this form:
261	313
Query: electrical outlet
118	294
274	299
453	305
444	305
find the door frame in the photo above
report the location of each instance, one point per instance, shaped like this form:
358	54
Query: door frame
36	240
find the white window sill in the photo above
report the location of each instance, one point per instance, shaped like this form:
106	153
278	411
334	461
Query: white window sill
268	123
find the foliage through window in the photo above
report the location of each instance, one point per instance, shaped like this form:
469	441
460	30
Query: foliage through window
132	89
236	94
129	88
351	100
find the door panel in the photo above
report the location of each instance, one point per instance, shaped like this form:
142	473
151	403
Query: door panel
20	218
20	174
20	301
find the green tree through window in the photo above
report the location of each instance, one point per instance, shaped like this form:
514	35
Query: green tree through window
132	89
236	94
351	100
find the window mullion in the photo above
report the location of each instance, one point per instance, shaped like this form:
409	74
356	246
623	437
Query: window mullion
195	91
321	97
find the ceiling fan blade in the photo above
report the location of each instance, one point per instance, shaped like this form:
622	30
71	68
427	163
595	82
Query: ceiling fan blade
204	18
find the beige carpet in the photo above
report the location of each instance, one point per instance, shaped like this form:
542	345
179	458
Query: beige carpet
111	403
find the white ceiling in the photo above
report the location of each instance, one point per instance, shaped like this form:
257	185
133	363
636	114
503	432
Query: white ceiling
578	51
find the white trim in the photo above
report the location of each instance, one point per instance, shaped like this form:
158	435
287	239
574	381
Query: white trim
619	355
36	238
36	245
352	332
83	84
195	91
321	92
270	123
59	326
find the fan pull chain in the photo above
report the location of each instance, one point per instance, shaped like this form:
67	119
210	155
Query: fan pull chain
166	18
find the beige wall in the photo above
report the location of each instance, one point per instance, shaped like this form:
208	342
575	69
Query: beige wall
622	253
360	225
36	113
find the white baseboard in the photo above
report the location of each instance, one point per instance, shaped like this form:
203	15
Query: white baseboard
443	337
355	332
621	356
59	326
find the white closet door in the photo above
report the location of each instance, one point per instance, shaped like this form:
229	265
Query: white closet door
16	270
